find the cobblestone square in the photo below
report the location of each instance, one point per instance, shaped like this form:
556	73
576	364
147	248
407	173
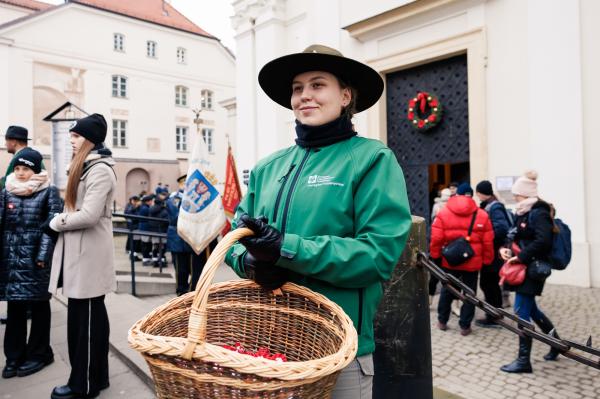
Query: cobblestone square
470	366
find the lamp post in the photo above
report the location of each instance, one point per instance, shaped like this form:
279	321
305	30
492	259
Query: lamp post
197	120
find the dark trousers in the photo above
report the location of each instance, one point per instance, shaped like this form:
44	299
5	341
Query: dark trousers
17	347
467	311
433	282
182	265
186	263
146	250
87	336
488	281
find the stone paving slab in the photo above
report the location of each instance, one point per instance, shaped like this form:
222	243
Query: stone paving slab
123	382
469	366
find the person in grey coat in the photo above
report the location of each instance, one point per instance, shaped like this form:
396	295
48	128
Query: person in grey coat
83	261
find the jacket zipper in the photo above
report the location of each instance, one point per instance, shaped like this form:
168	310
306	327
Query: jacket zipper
282	180
360	309
291	191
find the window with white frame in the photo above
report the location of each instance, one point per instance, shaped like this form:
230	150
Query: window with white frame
118	42
151	49
181	55
119	133
181	95
206	102
181	135
207	135
119	86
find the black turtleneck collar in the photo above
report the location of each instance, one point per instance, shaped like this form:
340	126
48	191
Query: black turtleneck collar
324	135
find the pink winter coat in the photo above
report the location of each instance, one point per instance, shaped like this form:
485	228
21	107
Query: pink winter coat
453	222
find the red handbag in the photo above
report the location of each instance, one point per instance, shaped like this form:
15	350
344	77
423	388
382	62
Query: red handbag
513	273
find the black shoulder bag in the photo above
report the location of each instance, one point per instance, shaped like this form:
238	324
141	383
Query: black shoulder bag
460	250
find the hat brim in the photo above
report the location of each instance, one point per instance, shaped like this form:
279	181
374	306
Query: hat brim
276	76
16	138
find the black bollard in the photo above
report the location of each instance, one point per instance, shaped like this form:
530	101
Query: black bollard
402	331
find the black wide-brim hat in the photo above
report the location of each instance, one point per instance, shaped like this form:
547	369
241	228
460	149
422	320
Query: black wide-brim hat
17	133
276	76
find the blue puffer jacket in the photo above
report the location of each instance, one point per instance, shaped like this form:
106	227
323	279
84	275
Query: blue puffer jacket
174	242
24	244
134	211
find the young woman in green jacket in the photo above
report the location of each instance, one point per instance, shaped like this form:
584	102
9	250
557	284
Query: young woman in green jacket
331	212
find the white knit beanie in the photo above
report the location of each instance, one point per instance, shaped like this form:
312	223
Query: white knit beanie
526	185
445	194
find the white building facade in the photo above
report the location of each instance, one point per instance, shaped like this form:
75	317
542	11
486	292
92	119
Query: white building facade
532	78
145	77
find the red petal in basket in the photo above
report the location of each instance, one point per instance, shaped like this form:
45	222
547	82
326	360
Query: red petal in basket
261	352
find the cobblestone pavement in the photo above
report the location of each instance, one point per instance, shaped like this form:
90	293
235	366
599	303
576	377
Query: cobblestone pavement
469	366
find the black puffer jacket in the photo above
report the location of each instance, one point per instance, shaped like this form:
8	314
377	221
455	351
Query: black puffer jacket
24	244
534	234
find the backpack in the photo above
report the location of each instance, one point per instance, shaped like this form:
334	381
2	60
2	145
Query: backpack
560	256
508	215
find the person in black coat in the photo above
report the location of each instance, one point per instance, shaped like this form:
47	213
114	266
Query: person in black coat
533	232
26	203
132	208
501	222
158	210
144	210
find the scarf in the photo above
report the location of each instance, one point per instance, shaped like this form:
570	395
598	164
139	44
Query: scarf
324	135
525	206
37	182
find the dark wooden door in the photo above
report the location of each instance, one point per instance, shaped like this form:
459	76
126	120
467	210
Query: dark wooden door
448	142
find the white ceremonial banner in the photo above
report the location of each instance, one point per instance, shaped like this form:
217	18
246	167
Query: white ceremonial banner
201	216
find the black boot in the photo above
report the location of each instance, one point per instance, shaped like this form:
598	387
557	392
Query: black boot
546	326
522	363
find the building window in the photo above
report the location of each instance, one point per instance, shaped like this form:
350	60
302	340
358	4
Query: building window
151	49
118	42
207	135
181	95
181	134
119	133
119	86
181	55
207	99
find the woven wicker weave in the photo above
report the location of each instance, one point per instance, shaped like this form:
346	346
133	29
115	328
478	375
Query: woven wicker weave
182	339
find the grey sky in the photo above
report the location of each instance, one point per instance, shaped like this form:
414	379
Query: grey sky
211	15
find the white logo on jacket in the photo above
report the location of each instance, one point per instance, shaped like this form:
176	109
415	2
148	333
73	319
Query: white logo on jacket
316	181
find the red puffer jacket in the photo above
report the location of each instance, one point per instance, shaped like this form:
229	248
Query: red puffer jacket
453	222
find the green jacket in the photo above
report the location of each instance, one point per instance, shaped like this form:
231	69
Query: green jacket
344	213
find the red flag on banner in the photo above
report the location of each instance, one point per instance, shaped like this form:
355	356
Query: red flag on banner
232	194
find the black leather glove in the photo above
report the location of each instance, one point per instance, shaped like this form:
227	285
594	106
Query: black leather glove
47	230
265	244
265	274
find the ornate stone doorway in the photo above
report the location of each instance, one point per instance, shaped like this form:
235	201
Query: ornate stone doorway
445	145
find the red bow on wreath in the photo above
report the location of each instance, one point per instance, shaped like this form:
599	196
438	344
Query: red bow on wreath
424	99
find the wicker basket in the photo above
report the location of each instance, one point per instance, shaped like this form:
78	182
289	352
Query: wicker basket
182	339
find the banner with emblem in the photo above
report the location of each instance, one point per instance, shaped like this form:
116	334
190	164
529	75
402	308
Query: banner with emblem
232	194
201	216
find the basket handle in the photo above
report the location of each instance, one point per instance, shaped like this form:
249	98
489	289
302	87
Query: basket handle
197	321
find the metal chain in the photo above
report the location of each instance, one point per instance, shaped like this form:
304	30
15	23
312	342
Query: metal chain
511	321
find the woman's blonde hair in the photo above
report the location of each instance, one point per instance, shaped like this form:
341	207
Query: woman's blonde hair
75	172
